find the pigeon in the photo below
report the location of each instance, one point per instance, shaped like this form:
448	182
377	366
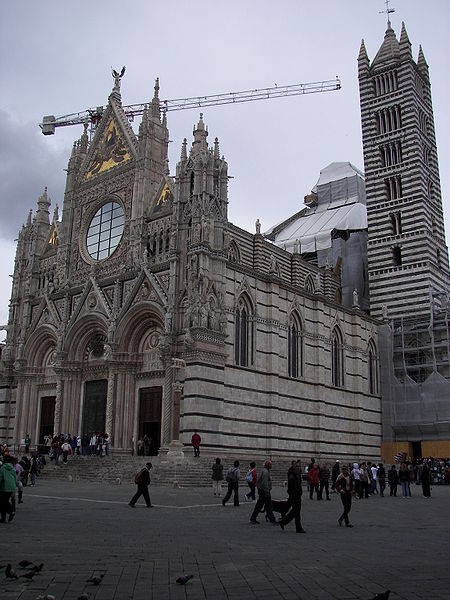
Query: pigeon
37	568
184	579
382	596
25	563
29	575
47	597
10	573
84	596
96	579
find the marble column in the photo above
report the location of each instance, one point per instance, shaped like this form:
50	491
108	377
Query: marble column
109	405
58	407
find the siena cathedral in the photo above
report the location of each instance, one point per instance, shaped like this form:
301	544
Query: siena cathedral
143	310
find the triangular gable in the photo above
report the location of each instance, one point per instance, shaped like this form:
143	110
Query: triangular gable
92	300
146	288
114	143
46	314
163	201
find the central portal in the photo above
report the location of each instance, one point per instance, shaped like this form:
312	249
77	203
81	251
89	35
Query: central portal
94	409
150	402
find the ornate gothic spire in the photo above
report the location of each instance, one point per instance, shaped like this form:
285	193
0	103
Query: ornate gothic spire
155	107
183	150
42	213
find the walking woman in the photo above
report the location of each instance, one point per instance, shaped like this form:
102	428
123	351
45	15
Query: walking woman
344	487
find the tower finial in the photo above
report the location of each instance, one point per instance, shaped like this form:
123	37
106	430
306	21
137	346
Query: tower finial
388	11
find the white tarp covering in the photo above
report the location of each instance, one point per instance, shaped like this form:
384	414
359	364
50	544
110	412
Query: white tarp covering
313	232
341	206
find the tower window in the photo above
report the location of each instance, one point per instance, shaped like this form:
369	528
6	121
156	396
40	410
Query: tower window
397	256
396	222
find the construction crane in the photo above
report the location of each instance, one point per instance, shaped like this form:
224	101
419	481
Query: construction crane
94	115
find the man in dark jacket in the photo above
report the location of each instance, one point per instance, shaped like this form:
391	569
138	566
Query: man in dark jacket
264	485
143	481
295	499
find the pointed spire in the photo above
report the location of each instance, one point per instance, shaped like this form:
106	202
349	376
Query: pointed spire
405	44
184	150
200	135
363	59
216	148
164	119
56	214
389	49
29	218
155	102
166	168
422	63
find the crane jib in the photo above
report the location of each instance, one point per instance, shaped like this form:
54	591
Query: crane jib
93	115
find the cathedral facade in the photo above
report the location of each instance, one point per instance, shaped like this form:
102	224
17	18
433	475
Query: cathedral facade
143	310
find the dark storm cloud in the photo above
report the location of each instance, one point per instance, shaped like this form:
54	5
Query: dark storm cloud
28	163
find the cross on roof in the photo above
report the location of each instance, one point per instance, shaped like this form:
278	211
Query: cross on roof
387	10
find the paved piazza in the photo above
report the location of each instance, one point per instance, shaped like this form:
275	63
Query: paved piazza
83	529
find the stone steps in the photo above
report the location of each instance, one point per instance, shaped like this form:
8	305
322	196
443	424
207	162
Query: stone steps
183	472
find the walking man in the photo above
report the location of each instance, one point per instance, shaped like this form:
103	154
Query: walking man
232	478
295	499
344	486
264	486
142	480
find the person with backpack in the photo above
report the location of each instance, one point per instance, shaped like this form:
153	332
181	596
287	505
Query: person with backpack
251	478
232	478
142	480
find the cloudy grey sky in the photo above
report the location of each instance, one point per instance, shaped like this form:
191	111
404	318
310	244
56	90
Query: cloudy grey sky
57	58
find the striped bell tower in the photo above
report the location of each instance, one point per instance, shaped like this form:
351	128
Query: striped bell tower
407	253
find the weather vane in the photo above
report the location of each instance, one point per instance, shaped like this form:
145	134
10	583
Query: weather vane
388	10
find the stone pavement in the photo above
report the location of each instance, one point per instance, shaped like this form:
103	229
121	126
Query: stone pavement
82	529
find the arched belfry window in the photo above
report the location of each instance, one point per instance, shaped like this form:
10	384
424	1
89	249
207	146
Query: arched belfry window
373	369
337	358
295	347
243	335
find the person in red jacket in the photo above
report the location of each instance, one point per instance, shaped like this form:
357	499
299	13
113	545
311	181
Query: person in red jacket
196	441
313	476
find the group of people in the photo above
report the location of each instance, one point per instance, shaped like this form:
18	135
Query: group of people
357	480
63	445
14	476
144	445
